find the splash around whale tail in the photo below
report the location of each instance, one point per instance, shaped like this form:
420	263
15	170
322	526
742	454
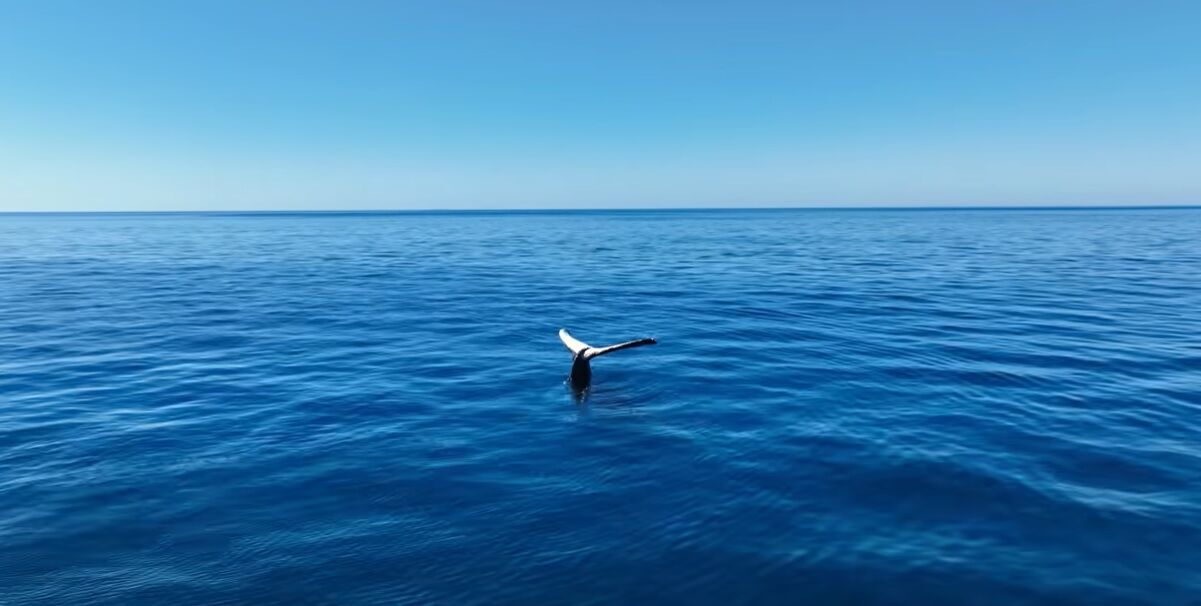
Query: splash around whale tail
577	346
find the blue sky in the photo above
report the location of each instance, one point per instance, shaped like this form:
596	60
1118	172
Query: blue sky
164	105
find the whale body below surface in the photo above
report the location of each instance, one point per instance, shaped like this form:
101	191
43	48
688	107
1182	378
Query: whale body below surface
582	353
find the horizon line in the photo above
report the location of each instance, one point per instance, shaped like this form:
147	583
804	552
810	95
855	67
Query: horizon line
361	211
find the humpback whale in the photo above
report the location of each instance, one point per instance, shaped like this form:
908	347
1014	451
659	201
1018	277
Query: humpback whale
582	353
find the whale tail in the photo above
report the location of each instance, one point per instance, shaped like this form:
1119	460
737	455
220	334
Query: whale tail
580	348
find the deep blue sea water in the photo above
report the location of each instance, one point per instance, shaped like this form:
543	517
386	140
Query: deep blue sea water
844	407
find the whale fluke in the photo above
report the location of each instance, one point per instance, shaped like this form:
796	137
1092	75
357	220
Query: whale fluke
572	343
582	353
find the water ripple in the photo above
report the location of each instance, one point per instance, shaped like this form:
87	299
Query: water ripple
844	407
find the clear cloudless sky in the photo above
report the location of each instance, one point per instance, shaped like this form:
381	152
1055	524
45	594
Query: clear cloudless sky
194	105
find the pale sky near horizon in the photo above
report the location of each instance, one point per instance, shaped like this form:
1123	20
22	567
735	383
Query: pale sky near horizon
446	104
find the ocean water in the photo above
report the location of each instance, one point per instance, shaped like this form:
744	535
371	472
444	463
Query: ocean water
850	407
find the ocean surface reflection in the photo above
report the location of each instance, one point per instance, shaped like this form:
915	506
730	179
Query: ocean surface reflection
884	407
